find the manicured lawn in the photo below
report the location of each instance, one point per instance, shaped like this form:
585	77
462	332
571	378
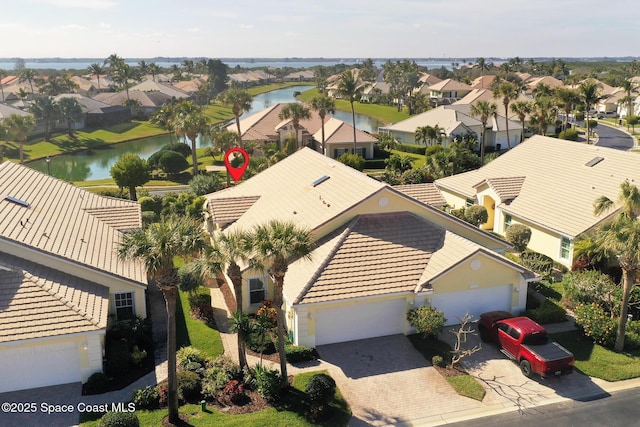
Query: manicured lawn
418	159
268	88
597	361
290	411
190	331
467	386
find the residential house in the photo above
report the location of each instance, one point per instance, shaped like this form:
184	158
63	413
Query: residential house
147	102
448	91
483	82
60	277
534	82
95	113
378	253
374	90
86	87
300	76
251	78
164	88
553	197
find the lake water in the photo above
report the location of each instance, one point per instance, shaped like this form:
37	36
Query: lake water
95	164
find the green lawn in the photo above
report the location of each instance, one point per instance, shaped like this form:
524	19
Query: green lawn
418	159
190	331
597	361
467	386
274	86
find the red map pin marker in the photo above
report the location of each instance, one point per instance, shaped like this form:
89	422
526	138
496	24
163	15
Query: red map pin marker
236	173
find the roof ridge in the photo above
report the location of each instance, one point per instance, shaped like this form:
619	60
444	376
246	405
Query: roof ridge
343	236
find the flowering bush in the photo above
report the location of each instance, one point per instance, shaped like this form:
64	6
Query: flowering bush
268	311
427	321
596	324
233	393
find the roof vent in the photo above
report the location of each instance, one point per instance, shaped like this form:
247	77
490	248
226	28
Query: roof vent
591	163
17	201
320	180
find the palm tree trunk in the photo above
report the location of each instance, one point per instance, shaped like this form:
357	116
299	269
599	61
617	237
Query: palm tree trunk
194	156
484	131
236	278
353	119
277	303
238	126
628	277
322	120
170	297
506	122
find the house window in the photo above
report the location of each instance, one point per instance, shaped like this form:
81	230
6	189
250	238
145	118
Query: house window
340	151
257	289
507	221
361	152
124	306
470	202
565	248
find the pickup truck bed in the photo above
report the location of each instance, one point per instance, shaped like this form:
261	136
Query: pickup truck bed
550	351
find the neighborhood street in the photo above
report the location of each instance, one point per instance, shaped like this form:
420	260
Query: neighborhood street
610	137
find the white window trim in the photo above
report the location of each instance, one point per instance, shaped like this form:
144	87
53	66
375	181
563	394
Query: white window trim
265	280
133	302
562	239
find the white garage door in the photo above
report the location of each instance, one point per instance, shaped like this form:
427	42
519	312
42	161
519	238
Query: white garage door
360	321
475	301
38	366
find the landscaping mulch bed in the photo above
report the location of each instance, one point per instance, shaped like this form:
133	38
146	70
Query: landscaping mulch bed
451	372
254	403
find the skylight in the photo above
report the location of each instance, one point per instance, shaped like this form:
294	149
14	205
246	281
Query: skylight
320	180
17	201
591	163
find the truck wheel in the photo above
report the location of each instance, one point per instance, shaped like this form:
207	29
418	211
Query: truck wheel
525	367
484	335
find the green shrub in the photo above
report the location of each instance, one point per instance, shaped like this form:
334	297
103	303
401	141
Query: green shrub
427	321
154	160
178	147
321	389
299	353
374	164
118	357
579	116
189	355
268	382
540	263
548	312
221	371
632	335
438	360
476	215
590	286
594	323
188	280
354	160
518	235
593	124
96	384
433	149
146	203
137	356
172	162
569	135
146	397
189	386
199	299
233	393
119	419
415	176
149	217
413	149
205	184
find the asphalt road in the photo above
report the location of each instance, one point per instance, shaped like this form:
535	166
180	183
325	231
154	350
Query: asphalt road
611	410
613	138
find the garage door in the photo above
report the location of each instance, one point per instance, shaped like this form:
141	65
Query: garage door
39	366
360	321
475	301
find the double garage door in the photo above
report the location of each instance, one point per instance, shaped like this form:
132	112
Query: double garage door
474	301
38	366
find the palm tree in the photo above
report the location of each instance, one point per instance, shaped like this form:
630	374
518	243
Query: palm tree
156	246
19	128
348	88
323	105
3	74
484	110
154	70
541	90
423	134
509	92
191	121
46	110
122	74
163	117
28	75
70	111
279	243
296	112
521	109
543	113
621	236
239	100
240	324
97	69
566	98
590	94
630	89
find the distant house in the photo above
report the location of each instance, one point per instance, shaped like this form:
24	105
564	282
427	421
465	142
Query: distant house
250	78
86	87
300	76
96	113
374	90
148	102
60	277
166	89
483	82
448	91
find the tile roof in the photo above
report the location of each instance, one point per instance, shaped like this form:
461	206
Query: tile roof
167	89
427	193
37	302
506	188
448	117
66	221
338	132
146	99
449	84
227	210
558	189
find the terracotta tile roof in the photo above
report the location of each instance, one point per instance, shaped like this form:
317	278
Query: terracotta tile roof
37	302
557	193
427	193
224	211
63	220
336	131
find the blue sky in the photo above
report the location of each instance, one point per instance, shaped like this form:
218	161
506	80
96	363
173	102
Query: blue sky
319	28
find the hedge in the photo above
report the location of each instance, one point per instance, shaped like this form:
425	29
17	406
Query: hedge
414	149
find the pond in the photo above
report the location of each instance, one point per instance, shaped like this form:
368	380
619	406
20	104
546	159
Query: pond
95	164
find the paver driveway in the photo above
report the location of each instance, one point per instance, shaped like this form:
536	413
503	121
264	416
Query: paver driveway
387	382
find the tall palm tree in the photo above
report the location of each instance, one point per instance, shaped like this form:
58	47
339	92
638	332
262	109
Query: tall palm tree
541	90
630	89
19	128
96	70
484	110
239	100
509	92
348	88
156	246
241	325
154	70
296	112
566	98
28	75
323	104
190	120
621	236
45	110
279	243
70	112
521	109
164	117
543	113
423	134
122	74
590	94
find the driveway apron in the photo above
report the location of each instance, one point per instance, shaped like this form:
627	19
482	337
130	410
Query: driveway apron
387	382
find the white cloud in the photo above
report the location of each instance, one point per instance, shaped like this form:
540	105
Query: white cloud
82	4
73	27
246	26
193	30
104	25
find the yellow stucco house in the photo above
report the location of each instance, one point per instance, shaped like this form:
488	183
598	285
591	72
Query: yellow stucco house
547	184
378	252
60	279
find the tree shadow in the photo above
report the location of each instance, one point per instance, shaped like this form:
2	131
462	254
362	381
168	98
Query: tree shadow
373	417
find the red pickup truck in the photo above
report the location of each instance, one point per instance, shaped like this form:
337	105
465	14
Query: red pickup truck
527	343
